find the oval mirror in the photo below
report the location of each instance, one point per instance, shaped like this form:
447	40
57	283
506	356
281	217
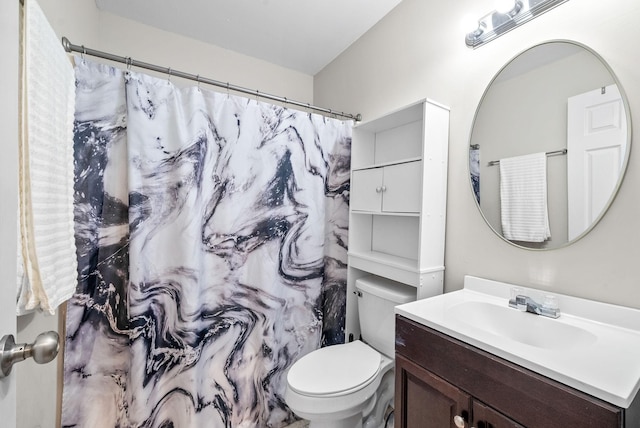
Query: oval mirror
549	145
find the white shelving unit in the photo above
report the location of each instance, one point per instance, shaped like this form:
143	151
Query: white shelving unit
398	200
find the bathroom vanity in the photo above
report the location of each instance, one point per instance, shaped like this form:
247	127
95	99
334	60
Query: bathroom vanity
457	371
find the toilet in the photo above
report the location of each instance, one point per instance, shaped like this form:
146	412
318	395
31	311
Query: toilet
352	385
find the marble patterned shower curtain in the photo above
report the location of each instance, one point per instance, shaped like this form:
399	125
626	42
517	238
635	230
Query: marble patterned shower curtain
211	233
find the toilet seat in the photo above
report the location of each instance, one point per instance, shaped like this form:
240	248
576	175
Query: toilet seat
335	370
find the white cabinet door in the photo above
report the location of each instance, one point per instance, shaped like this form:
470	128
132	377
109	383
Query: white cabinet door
366	190
402	188
393	188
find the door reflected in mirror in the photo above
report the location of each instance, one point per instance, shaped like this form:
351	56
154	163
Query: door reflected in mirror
549	145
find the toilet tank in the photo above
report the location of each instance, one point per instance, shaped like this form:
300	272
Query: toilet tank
377	299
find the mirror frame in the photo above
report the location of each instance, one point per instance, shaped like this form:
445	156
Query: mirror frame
625	162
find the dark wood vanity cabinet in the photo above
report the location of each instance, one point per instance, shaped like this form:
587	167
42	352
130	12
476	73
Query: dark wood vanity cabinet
439	378
432	402
428	400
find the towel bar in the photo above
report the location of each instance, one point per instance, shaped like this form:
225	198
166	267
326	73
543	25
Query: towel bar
553	153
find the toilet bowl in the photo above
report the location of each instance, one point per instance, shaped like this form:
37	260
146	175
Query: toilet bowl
337	385
351	385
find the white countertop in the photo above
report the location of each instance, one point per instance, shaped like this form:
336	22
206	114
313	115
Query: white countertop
593	347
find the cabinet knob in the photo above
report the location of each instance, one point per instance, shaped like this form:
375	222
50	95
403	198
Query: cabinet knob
384	188
459	421
378	189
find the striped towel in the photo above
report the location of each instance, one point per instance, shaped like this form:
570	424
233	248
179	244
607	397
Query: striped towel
47	265
523	198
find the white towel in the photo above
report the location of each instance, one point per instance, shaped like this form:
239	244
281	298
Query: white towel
523	198
47	246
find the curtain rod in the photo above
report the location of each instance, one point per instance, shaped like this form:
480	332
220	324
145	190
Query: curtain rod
69	47
553	153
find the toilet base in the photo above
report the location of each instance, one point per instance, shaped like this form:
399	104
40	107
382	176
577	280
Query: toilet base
369	415
384	399
354	421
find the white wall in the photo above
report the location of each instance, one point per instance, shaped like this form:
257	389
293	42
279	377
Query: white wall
418	51
83	24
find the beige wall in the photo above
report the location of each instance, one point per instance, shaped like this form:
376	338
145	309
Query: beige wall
83	24
418	51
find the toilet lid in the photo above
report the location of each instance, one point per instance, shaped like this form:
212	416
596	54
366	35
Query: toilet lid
334	369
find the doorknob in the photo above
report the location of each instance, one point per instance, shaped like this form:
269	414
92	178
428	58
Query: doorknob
43	350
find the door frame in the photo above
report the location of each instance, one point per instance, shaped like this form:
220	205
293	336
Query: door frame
9	78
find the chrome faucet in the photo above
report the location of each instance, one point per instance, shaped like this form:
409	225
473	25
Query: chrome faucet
526	304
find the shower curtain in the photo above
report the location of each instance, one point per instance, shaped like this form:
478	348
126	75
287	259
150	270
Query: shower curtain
474	168
211	232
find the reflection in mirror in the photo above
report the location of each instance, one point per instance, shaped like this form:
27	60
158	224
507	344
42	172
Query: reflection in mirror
549	145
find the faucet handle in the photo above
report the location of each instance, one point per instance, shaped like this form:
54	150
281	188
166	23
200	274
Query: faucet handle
550	302
521	303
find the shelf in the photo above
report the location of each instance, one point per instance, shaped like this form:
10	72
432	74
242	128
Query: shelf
393	267
394	162
389	213
402	116
387	259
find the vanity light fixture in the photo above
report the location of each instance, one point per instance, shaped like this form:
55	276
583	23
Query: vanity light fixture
497	23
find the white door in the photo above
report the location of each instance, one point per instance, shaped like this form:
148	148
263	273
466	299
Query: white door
28	394
9	39
597	145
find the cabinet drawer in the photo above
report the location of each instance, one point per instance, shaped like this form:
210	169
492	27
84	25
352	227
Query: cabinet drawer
528	398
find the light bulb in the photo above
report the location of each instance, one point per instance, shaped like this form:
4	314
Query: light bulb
469	23
504	6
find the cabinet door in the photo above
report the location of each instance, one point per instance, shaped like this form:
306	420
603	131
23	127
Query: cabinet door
402	188
366	190
486	417
424	400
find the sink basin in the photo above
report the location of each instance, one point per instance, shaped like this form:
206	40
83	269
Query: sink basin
522	327
593	347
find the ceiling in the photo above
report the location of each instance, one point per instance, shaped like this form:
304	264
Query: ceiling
303	35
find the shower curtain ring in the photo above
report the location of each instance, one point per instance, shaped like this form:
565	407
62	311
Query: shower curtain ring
128	62
84	52
169	78
228	90
198	81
